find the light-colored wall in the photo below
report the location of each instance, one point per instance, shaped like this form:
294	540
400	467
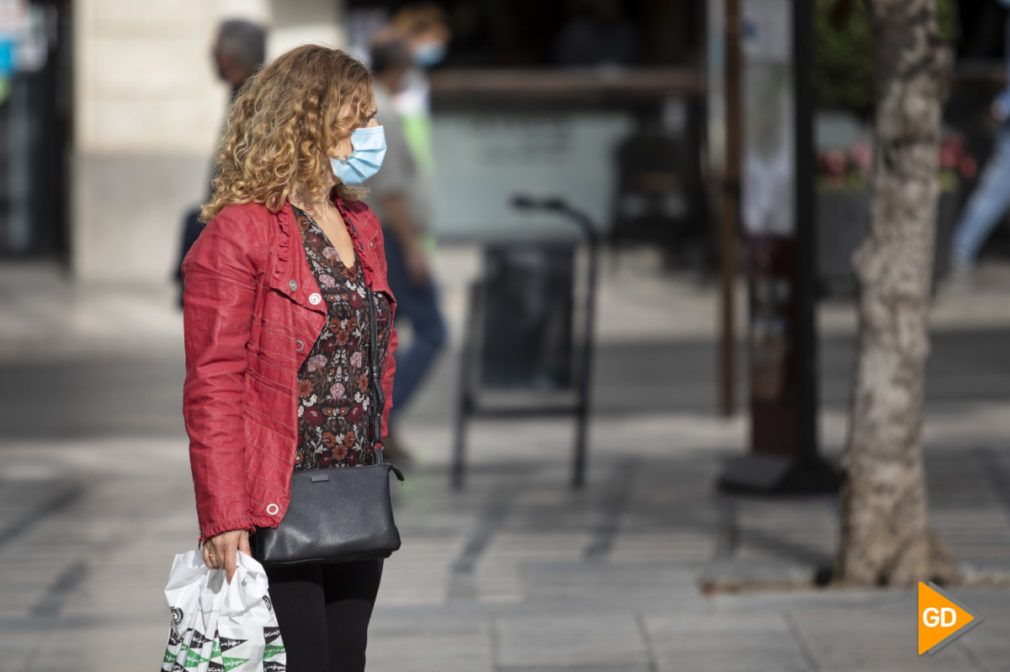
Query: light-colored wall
148	108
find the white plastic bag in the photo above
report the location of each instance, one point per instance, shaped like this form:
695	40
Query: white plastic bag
218	626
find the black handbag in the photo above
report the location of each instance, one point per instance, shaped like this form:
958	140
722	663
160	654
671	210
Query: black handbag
337	514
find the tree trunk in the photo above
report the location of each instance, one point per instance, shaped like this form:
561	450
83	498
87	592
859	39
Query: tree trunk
885	534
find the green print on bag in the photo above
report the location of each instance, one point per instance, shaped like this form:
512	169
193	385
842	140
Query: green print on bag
169	657
180	654
232	663
271	650
194	659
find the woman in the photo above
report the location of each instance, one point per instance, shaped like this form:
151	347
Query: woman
277	333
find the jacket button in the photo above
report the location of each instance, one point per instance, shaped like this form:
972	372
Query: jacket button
315	299
299	345
272	509
293	285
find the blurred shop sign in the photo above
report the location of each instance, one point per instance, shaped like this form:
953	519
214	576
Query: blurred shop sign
7	48
24	41
766	30
481	157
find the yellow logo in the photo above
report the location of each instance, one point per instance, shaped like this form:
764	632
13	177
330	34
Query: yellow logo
941	620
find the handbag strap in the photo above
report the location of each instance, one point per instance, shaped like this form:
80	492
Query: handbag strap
374	383
375	386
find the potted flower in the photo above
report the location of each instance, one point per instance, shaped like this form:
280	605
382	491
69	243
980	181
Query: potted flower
843	207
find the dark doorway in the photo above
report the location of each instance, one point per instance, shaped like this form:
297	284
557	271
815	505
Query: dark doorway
35	127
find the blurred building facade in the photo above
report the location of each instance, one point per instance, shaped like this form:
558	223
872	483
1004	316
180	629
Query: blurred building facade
147	112
109	138
110	109
146	106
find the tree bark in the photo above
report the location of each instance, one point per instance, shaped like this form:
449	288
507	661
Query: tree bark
885	534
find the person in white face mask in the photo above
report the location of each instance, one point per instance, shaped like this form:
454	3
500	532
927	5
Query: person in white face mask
991	199
400	196
424	28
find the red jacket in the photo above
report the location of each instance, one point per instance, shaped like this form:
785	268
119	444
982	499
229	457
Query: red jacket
252	313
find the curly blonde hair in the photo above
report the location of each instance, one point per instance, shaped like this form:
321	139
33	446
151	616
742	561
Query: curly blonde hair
281	125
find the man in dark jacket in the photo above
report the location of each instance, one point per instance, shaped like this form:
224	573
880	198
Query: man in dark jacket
239	51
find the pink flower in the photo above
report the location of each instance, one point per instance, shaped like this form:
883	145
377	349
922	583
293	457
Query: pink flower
862	156
356	359
835	162
948	157
316	362
326	281
337	390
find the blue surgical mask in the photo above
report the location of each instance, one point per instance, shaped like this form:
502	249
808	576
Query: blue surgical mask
429	54
364	162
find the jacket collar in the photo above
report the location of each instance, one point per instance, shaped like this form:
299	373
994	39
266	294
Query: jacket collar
364	248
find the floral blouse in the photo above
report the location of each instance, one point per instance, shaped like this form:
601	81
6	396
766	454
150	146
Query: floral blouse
334	405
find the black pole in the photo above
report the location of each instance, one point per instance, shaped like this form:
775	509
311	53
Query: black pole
729	218
464	404
785	457
806	231
586	377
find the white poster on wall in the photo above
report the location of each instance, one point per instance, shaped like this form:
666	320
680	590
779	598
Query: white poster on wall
768	191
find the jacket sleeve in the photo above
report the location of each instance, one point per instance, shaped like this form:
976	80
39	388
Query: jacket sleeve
388	369
219	290
389	363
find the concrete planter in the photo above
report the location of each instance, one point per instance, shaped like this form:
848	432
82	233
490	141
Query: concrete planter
842	218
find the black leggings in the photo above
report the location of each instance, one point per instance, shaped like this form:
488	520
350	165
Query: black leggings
323	613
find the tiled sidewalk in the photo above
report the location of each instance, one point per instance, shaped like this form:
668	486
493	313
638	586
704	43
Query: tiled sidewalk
517	573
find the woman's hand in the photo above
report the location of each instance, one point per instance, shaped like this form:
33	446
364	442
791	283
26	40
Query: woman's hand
220	551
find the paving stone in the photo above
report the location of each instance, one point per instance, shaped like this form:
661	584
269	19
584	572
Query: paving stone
422	638
632	587
579	668
700	639
608	639
423	654
127	647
